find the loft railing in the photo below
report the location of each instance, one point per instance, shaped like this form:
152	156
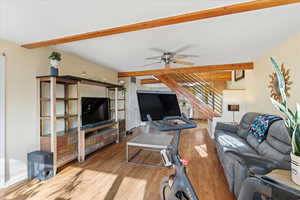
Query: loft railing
201	89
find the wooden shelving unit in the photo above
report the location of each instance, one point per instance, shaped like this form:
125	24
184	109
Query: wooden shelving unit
63	144
118	99
70	142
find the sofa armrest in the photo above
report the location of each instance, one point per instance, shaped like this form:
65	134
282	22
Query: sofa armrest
227	127
256	164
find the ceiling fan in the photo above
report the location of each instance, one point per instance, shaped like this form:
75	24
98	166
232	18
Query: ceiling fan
169	57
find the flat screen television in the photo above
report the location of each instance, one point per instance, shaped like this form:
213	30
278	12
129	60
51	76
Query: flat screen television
158	104
94	110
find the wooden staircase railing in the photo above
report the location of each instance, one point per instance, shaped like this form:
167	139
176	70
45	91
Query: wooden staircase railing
199	93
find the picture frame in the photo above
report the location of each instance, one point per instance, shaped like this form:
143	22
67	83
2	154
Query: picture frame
239	74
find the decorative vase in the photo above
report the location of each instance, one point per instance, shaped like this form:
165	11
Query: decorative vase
54	68
295	168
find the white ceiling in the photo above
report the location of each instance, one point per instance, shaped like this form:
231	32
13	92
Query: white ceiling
235	38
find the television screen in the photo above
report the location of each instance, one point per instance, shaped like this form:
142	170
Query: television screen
94	110
157	104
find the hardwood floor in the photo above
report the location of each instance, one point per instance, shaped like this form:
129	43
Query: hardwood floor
106	175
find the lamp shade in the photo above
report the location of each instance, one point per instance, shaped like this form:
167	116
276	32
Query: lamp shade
233	107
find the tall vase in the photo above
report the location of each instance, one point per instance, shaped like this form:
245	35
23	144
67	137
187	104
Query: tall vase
295	167
54	68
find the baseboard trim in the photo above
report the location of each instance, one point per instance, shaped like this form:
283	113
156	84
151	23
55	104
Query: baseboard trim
14	180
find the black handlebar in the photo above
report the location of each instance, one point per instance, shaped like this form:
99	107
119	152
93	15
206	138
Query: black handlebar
165	125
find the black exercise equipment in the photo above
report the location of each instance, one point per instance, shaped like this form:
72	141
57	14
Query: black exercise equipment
161	111
177	186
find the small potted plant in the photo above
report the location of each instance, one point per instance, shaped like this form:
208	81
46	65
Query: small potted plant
292	122
54	58
186	109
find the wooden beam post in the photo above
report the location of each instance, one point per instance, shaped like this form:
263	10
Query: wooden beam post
80	134
207	77
116	112
53	122
38	110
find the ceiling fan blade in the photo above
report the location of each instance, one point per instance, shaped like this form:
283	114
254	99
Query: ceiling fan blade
183	62
149	64
154	57
183	49
158	50
180	56
187	55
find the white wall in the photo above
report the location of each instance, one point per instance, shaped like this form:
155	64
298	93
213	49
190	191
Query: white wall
231	96
23	66
257	79
257	93
132	110
2	119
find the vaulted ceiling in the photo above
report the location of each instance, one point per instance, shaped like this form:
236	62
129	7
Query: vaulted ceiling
228	39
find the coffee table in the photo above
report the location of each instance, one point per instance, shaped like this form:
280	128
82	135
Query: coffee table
147	142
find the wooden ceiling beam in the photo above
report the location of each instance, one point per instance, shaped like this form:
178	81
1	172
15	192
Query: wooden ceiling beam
199	15
207	77
198	69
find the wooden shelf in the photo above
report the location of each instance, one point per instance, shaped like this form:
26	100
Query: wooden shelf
90	143
75	80
62	133
58	117
118	99
88	130
59	79
60	99
99	139
66	159
100	132
118	109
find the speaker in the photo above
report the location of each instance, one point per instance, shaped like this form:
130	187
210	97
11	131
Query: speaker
40	165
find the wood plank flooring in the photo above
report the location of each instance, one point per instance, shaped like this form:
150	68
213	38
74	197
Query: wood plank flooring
106	176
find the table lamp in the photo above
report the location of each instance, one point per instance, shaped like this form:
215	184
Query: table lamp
233	108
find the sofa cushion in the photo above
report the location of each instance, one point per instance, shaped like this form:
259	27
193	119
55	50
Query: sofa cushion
228	163
245	123
252	141
278	132
226	127
277	145
229	140
265	149
220	132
